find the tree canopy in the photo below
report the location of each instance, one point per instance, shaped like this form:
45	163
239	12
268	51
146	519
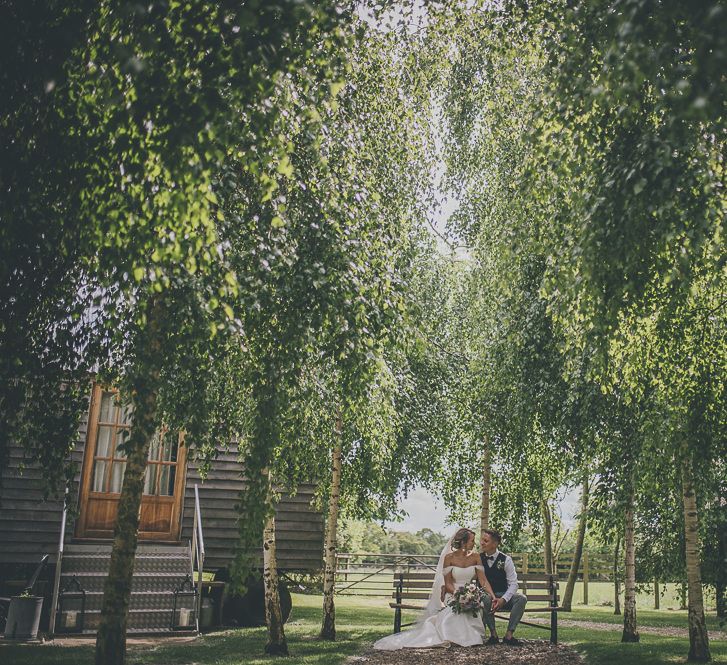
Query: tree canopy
229	211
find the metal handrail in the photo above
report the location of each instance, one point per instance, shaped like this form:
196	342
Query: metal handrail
199	521
197	552
59	561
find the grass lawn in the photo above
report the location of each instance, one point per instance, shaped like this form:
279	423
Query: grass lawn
360	621
601	593
645	617
603	648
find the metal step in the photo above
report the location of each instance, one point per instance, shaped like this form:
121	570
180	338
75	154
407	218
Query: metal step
140	621
159	570
149	559
143	549
142	565
140	582
139	600
162	632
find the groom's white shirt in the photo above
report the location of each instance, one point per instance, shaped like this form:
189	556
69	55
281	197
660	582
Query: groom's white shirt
510	573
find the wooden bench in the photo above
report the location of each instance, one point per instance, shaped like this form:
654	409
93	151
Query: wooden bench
541	589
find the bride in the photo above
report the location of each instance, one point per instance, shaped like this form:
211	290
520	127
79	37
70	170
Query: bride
441	626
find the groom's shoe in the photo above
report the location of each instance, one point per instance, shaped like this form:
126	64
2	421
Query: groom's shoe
513	642
493	640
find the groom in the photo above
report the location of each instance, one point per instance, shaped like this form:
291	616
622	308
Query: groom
500	573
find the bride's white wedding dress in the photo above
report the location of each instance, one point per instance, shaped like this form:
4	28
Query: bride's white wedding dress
445	626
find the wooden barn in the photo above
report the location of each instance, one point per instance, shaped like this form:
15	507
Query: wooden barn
182	518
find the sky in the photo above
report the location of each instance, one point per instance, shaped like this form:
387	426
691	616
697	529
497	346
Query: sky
427	511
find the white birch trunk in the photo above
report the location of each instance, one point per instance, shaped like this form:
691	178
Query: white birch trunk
486	487
630	633
698	637
616	581
580	537
547	537
276	644
328	629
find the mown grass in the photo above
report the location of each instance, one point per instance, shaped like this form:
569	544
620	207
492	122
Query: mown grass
361	621
601	594
604	648
646	617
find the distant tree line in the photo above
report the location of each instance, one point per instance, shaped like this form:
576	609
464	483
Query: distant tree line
372	538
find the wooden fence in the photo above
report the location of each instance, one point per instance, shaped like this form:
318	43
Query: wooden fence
367	574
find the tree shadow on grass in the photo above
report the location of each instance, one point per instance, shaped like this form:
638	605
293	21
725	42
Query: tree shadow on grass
605	648
238	646
230	647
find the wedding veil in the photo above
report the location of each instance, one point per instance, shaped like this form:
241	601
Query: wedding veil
434	604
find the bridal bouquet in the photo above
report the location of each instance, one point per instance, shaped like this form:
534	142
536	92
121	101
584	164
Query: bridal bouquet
467	599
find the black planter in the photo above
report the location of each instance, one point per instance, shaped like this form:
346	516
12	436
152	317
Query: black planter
23	617
249	610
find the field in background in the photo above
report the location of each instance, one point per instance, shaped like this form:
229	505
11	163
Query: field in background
373	575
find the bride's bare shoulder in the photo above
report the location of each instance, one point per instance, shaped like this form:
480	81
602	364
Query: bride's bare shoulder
474	557
448	558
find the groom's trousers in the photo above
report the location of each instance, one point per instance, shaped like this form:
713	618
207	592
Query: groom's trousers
516	607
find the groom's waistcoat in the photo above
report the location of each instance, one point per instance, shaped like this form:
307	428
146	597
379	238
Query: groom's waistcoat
495	573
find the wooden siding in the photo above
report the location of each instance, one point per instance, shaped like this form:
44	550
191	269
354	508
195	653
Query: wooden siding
299	527
29	526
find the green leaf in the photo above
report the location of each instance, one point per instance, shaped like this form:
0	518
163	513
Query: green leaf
285	167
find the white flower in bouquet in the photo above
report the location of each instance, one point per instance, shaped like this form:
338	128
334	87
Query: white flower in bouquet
467	599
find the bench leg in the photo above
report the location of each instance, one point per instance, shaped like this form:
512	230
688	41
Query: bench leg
397	620
554	628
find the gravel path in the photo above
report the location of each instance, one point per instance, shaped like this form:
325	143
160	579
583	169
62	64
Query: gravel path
535	652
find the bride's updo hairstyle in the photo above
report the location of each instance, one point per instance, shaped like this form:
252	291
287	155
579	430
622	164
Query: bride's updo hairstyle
461	537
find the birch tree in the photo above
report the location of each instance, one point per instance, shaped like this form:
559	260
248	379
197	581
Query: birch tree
135	233
646	129
548	563
630	633
333	246
578	551
616	577
328	629
516	371
600	126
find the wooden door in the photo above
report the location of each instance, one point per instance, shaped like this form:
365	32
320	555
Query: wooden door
103	472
